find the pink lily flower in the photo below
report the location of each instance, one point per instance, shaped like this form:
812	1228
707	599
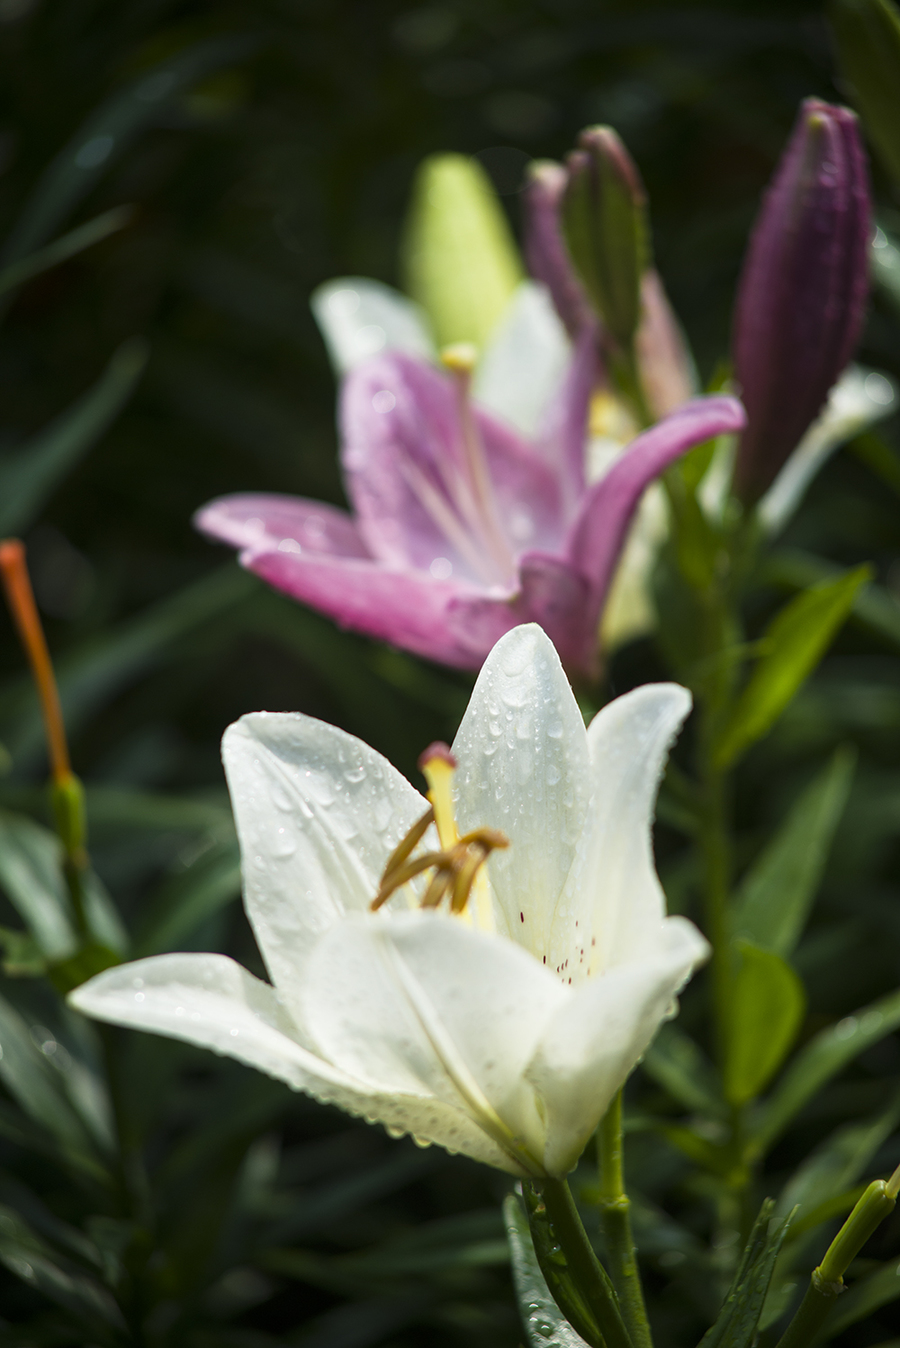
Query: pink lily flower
461	528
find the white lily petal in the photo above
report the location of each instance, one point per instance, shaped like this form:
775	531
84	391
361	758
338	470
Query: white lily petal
523	768
525	360
423	1003
613	903
207	1000
358	318
318	812
204	999
859	398
599	1035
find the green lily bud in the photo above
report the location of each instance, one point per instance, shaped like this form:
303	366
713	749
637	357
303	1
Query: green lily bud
459	256
605	225
867	33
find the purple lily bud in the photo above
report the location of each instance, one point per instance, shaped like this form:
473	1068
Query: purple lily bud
545	250
802	293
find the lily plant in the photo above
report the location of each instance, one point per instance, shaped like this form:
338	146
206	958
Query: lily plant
482	968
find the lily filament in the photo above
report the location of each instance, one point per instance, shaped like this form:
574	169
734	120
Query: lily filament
457	864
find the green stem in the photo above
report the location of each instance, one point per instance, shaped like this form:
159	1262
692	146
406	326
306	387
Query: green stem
714	845
813	1312
615	1220
827	1281
587	1271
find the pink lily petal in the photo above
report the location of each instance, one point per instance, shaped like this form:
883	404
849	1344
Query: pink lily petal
442	620
565	427
403	461
285	523
598	532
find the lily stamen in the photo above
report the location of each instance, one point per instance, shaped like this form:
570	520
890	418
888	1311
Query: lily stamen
457	864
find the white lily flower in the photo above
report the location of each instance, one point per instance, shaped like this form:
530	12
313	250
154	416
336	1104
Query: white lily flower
501	1031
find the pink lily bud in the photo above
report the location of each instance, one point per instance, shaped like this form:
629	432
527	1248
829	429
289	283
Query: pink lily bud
546	253
802	293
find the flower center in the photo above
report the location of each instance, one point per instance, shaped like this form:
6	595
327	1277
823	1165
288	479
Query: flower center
455	868
474	491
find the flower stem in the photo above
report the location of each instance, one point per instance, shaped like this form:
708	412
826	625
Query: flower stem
827	1281
615	1220
66	791
587	1272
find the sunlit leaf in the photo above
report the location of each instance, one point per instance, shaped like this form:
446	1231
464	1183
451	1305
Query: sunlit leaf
794	643
767	1008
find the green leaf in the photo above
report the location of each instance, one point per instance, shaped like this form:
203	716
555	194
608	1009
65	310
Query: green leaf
675	1062
794	642
543	1321
31	875
38	1088
100	140
736	1324
31	473
830	1170
873	451
884	262
868	42
23	957
874	607
776	894
83	236
459	256
767	1007
821	1059
41	1267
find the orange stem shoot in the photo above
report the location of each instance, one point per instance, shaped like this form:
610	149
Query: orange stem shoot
20	597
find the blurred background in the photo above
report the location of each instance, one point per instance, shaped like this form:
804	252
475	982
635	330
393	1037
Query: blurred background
263	148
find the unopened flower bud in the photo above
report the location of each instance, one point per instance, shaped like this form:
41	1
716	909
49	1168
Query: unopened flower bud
544	246
604	222
803	289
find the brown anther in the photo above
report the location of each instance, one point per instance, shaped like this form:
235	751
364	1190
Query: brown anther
401	874
406	845
491	839
454	867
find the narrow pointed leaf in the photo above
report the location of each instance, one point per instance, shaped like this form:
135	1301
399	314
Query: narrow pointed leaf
776	894
32	472
868	43
737	1321
768	1004
61	249
32	879
794	643
99	141
821	1059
